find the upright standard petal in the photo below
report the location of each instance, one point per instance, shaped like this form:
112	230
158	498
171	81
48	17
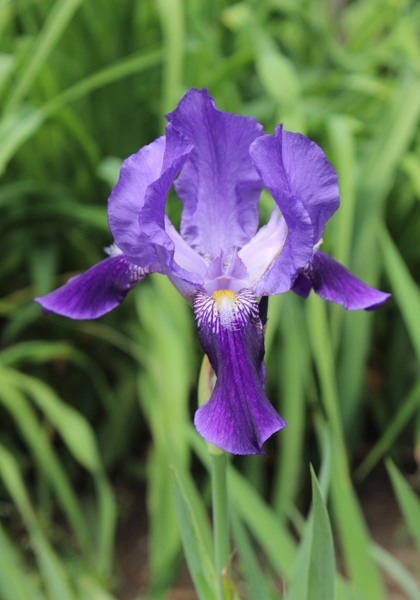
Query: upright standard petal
304	186
332	281
95	292
238	417
127	199
297	249
154	225
309	176
218	186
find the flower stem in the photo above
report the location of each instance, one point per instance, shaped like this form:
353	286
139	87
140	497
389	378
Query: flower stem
220	515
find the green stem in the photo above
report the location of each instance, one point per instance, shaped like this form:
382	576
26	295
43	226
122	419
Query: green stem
220	515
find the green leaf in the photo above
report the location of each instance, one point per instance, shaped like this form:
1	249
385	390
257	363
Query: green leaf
405	290
171	15
58	19
395	131
12	585
19	125
315	536
405	412
395	569
251	571
295	361
348	517
53	572
163	391
407	500
70	424
321	565
15	128
352	530
193	537
80	440
272	68
35	437
263	522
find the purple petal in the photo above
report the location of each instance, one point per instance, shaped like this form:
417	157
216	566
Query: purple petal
127	199
310	177
185	256
221	277
304	185
332	281
267	154
218	186
262	249
95	292
238	417
302	284
153	222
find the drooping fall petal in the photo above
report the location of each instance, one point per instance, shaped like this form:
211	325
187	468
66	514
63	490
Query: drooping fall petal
238	417
331	281
96	291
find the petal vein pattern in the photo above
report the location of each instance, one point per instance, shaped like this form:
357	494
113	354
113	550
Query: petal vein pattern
238	417
96	291
218	186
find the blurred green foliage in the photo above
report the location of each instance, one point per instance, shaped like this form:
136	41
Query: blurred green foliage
88	409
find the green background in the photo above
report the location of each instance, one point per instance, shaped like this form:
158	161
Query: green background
93	413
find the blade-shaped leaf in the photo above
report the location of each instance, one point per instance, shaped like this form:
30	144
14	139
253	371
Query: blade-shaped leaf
396	570
53	572
193	537
407	500
321	564
407	293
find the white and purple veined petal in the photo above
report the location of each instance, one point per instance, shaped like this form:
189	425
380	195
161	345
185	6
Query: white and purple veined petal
238	418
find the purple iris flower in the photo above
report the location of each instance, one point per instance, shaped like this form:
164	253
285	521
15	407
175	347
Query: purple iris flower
220	261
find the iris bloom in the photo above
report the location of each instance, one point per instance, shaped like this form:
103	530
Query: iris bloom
220	261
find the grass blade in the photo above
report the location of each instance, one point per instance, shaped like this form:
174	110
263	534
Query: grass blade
12	585
15	402
295	361
54	575
407	500
352	531
57	21
80	440
199	561
171	15
263	523
395	569
406	292
321	564
257	581
406	411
